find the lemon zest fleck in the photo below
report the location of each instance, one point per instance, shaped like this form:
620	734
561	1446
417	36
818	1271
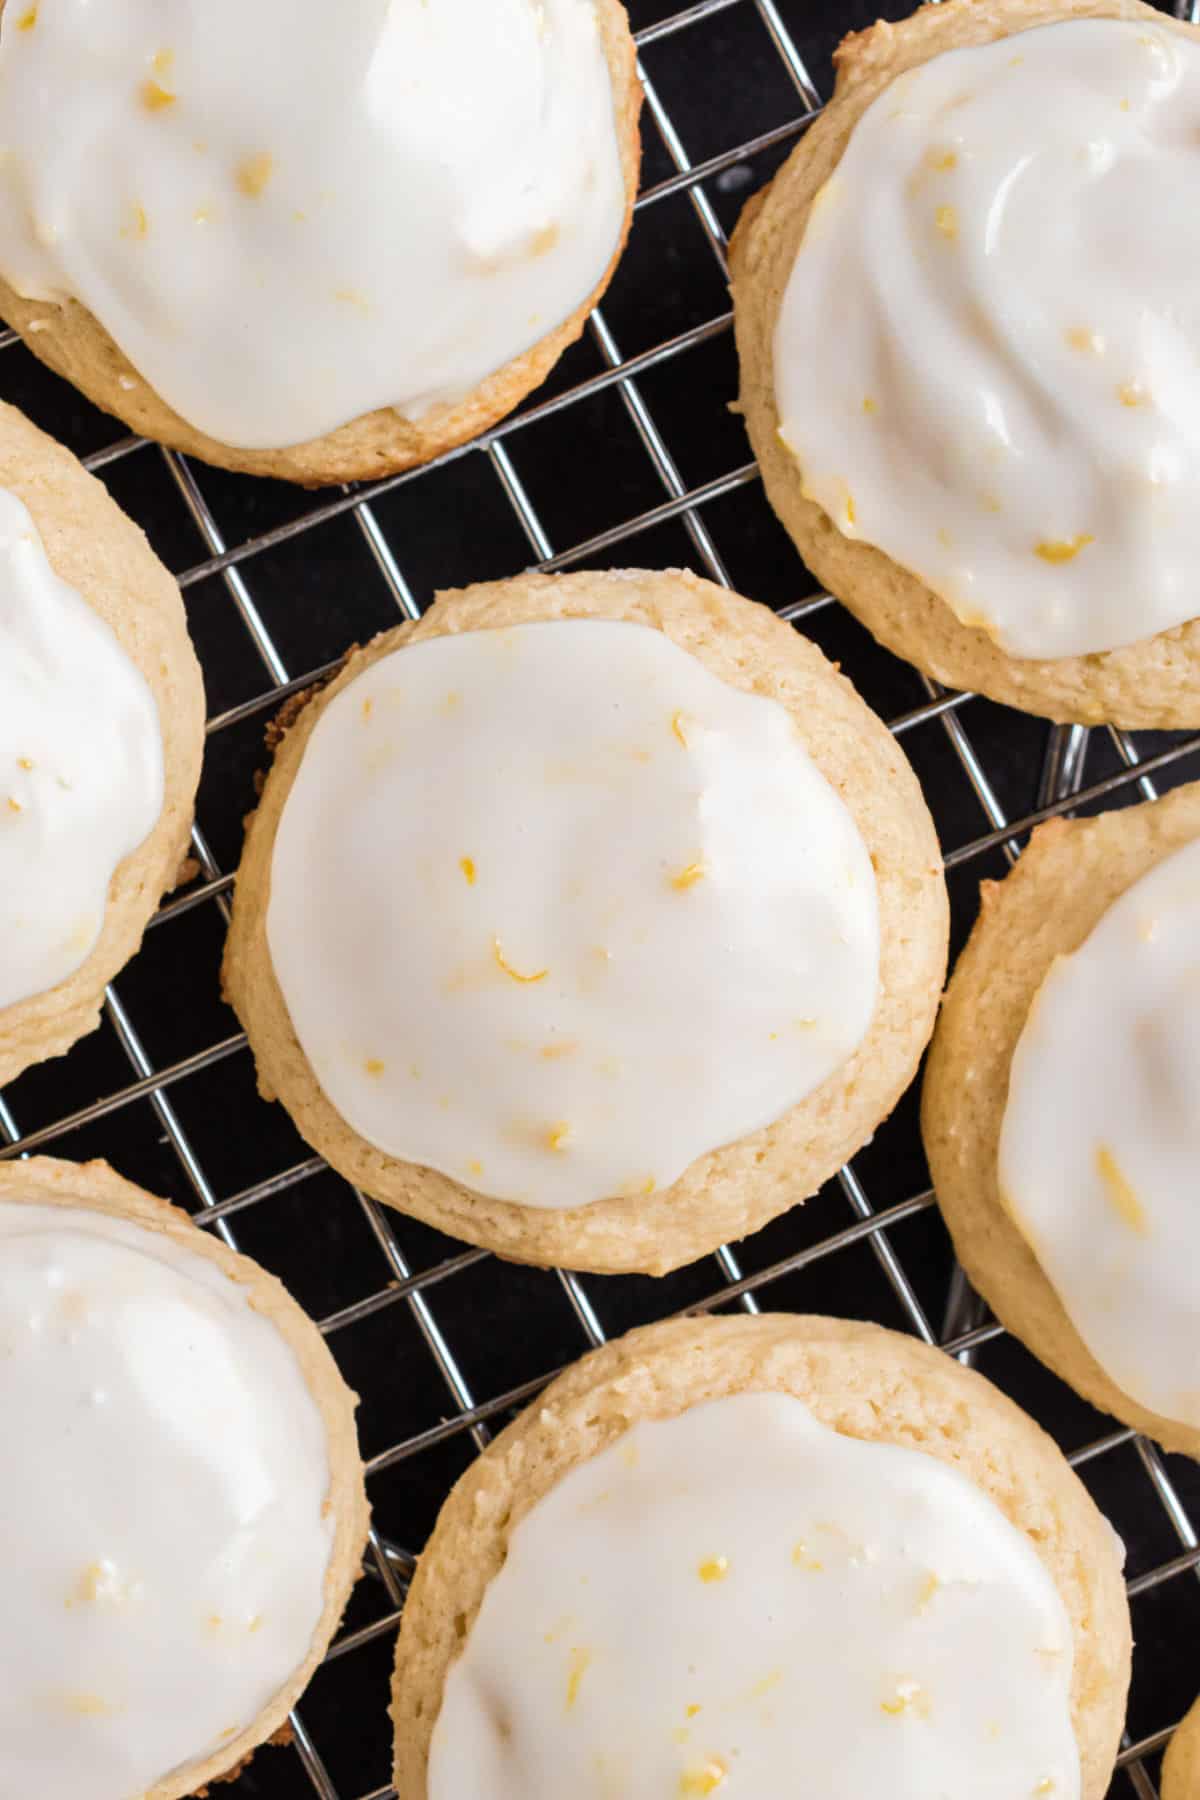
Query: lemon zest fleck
1061	550
703	1781
253	174
155	97
578	1669
28	19
929	1588
688	877
910	1697
466	864
558	1136
946	220
374	1066
514	974
677	728
714	1568
1121	1195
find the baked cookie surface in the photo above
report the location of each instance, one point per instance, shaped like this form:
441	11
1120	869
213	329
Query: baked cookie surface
859	1381
192	1499
311	277
1033	925
1181	1764
981	560
101	735
672	1210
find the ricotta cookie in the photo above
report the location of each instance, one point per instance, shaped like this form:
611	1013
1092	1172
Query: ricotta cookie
189	1517
317	242
593	918
1061	1109
719	1551
1181	1764
967	312
101	735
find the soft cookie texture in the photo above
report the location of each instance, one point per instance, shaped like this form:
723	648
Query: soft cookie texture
71	341
94	1187
1181	1765
729	1191
96	550
1071	873
857	1379
1151	684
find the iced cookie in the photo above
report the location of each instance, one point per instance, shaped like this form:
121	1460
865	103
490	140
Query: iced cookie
721	1551
1181	1764
101	734
311	241
993	457
188	1517
1061	1108
594	918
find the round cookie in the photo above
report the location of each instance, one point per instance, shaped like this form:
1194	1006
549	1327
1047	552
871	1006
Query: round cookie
92	547
857	1380
72	342
1143	684
728	1191
1070	875
260	1469
1181	1764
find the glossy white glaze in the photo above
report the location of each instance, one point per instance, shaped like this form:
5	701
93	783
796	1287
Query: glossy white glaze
1099	1158
741	1602
163	1543
81	764
291	213
1010	405
554	910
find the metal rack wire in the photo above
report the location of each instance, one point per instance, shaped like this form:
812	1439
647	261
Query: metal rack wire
420	1298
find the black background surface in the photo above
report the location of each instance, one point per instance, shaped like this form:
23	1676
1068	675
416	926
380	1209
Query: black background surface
290	605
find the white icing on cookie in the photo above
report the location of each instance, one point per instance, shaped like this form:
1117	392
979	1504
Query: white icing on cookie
81	765
162	1540
555	911
1010	405
1099	1156
739	1600
290	213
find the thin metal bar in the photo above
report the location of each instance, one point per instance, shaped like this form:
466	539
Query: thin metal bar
886	1256
972	767
790	56
1125	749
197	506
346	502
655	447
137	1090
1096	791
701	205
680	21
1063	763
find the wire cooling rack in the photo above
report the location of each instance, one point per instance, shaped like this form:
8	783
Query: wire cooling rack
628	455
